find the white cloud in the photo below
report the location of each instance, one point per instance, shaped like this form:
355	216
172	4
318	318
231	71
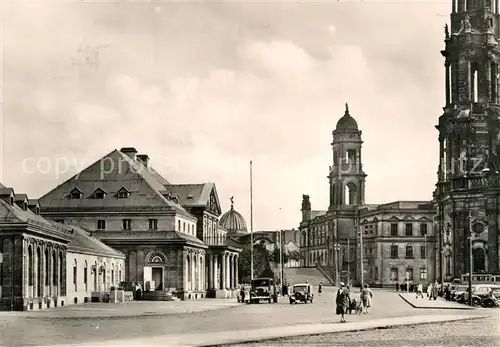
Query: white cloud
214	88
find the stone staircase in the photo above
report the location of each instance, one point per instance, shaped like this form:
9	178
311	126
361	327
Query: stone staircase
310	274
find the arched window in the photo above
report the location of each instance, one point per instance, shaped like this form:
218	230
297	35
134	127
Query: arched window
54	268
47	273
85	274
112	274
350	194
179	225
61	270
75	273
39	272
30	265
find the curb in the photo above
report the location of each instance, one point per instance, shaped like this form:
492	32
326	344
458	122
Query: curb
381	326
118	317
436	308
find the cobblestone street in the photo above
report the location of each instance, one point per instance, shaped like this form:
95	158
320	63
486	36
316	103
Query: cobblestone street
477	332
42	329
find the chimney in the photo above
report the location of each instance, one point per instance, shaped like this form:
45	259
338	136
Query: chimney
130	151
144	159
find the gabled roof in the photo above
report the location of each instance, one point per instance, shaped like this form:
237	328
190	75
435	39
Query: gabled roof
111	173
193	194
82	242
409	218
424	219
6	191
15	214
393	219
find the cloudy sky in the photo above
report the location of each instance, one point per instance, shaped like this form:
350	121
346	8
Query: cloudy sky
205	87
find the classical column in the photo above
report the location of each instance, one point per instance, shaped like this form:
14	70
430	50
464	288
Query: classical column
210	270
228	271
193	272
236	268
233	270
215	265
185	269
49	271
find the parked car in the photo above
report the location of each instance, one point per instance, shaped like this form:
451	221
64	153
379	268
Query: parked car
457	292
263	289
479	293
492	299
301	293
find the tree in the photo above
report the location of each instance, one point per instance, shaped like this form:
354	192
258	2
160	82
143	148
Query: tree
262	259
276	256
294	255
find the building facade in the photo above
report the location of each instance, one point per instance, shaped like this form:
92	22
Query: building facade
467	194
397	239
167	232
45	264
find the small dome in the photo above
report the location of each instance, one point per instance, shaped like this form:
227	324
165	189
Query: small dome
233	221
346	122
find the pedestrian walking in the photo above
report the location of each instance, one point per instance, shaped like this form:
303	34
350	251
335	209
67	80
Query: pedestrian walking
429	290
397	286
366	298
342	301
320	288
420	290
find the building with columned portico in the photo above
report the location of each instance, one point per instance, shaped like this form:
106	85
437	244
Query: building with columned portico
168	232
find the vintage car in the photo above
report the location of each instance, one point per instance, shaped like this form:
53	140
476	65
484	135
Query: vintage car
479	293
492	299
301	293
263	289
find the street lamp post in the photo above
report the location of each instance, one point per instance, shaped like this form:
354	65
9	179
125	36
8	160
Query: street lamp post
336	248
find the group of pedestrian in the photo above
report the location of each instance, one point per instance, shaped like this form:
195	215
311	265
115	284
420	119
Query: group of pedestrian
344	301
432	291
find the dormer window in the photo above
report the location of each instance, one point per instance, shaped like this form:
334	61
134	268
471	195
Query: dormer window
37	210
76	194
11	200
123	193
25	206
99	194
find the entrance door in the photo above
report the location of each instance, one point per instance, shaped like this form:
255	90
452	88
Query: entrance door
479	260
157	276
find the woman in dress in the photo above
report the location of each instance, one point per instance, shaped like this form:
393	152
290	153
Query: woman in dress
366	298
342	301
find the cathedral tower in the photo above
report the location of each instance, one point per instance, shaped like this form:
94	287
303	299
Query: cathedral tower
469	145
347	179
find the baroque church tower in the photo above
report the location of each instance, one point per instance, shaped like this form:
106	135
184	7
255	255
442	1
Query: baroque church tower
346	176
467	194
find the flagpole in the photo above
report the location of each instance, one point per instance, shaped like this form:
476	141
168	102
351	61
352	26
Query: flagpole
251	223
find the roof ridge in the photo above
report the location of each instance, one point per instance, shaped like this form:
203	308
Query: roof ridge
147	180
77	174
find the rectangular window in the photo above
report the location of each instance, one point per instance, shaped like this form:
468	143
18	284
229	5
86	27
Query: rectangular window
394	252
422	252
394	229
394	274
423	274
153	224
101	224
127	224
409	252
423	229
409	229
